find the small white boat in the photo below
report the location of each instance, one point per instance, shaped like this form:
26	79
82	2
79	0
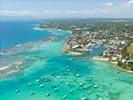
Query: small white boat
17	91
84	98
100	98
29	84
47	94
41	85
77	75
64	97
67	83
81	84
95	86
37	80
56	88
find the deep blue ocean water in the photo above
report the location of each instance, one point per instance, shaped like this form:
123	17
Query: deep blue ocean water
17	32
64	77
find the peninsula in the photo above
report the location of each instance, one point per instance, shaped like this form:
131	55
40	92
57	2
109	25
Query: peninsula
114	35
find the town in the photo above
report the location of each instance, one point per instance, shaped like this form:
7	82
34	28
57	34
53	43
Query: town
115	35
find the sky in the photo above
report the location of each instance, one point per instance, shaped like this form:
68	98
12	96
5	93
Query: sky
44	9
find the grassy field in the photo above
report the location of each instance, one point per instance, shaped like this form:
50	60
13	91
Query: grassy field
130	50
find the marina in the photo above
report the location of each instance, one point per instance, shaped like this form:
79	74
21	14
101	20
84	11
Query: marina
61	79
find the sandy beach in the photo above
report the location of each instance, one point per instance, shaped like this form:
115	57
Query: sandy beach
99	59
74	53
124	70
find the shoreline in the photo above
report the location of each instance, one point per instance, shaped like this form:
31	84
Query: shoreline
70	52
98	58
29	44
50	38
74	53
112	62
7	69
49	29
124	70
15	67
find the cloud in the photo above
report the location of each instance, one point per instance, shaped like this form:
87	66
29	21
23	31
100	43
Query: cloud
109	4
108	9
15	13
55	13
130	2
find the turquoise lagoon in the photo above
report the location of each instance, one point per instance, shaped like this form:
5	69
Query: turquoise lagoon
49	74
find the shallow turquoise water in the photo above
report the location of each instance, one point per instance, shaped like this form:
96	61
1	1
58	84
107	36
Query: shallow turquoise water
64	77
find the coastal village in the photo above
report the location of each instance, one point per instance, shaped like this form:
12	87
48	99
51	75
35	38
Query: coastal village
115	36
72	77
66	49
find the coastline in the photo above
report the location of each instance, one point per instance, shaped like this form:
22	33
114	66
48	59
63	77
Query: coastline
13	67
69	52
124	70
99	59
48	29
74	53
112	62
7	70
65	51
50	73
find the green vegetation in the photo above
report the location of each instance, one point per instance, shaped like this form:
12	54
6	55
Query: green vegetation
87	34
127	51
130	50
